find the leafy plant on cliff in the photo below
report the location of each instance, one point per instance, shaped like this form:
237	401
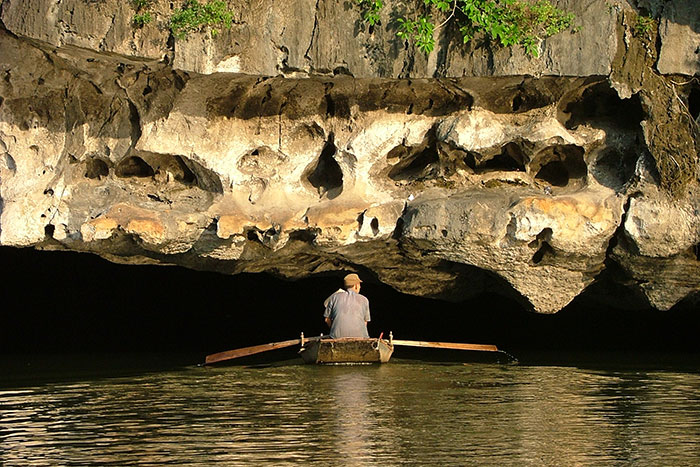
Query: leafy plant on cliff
195	16
509	22
644	26
141	19
371	10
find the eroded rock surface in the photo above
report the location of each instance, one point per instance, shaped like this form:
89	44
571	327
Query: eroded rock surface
311	146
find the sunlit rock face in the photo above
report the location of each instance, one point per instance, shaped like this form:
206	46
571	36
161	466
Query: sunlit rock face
274	149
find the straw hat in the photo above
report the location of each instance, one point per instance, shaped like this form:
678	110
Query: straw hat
351	279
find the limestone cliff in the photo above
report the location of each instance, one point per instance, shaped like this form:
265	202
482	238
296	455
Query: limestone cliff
302	141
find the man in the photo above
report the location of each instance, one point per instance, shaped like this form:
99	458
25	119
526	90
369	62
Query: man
347	312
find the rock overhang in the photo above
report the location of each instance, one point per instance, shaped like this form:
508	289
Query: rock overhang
525	178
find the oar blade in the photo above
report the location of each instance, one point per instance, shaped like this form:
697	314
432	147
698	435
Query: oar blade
245	351
446	345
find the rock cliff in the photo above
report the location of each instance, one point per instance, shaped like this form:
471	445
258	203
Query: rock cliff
302	141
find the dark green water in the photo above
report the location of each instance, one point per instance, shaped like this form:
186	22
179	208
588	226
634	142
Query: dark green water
402	413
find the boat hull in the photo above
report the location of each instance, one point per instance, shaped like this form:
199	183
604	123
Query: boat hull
346	350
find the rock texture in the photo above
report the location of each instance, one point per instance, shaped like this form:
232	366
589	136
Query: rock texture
302	144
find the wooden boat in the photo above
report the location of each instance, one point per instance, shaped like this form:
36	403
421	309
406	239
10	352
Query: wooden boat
346	350
324	350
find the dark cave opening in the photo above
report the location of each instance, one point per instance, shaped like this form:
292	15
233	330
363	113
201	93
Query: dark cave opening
413	166
559	165
615	168
96	168
184	174
325	175
694	103
133	166
81	303
554	173
601	103
511	159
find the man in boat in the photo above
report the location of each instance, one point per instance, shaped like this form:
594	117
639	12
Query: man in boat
347	312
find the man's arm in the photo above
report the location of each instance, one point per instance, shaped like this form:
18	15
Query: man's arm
327	313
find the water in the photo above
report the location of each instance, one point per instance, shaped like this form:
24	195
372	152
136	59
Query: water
402	413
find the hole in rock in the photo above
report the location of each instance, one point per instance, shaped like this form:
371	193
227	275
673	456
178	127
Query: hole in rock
337	106
195	173
614	168
599	103
374	225
253	235
694	103
696	251
511	158
544	236
166	168
558	165
325	175
554	173
183	174
517	103
414	164
8	161
543	252
49	229
133	166
306	235
96	168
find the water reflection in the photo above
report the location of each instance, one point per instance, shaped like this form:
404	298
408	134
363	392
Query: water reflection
353	424
391	414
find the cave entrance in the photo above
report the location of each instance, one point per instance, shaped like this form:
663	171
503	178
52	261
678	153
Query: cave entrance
106	307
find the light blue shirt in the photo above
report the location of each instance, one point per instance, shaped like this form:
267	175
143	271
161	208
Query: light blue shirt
349	313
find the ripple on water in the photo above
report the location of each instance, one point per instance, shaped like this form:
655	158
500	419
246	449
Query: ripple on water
391	414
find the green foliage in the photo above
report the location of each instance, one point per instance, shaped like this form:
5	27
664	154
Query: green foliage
514	22
420	30
509	22
194	16
371	10
644	25
141	19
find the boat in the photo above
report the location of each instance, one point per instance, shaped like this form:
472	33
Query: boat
347	350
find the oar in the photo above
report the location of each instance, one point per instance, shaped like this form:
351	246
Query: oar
255	349
446	345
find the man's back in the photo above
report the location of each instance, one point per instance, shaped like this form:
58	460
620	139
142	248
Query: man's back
349	314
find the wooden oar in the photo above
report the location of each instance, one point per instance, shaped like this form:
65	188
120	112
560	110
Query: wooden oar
446	345
255	349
